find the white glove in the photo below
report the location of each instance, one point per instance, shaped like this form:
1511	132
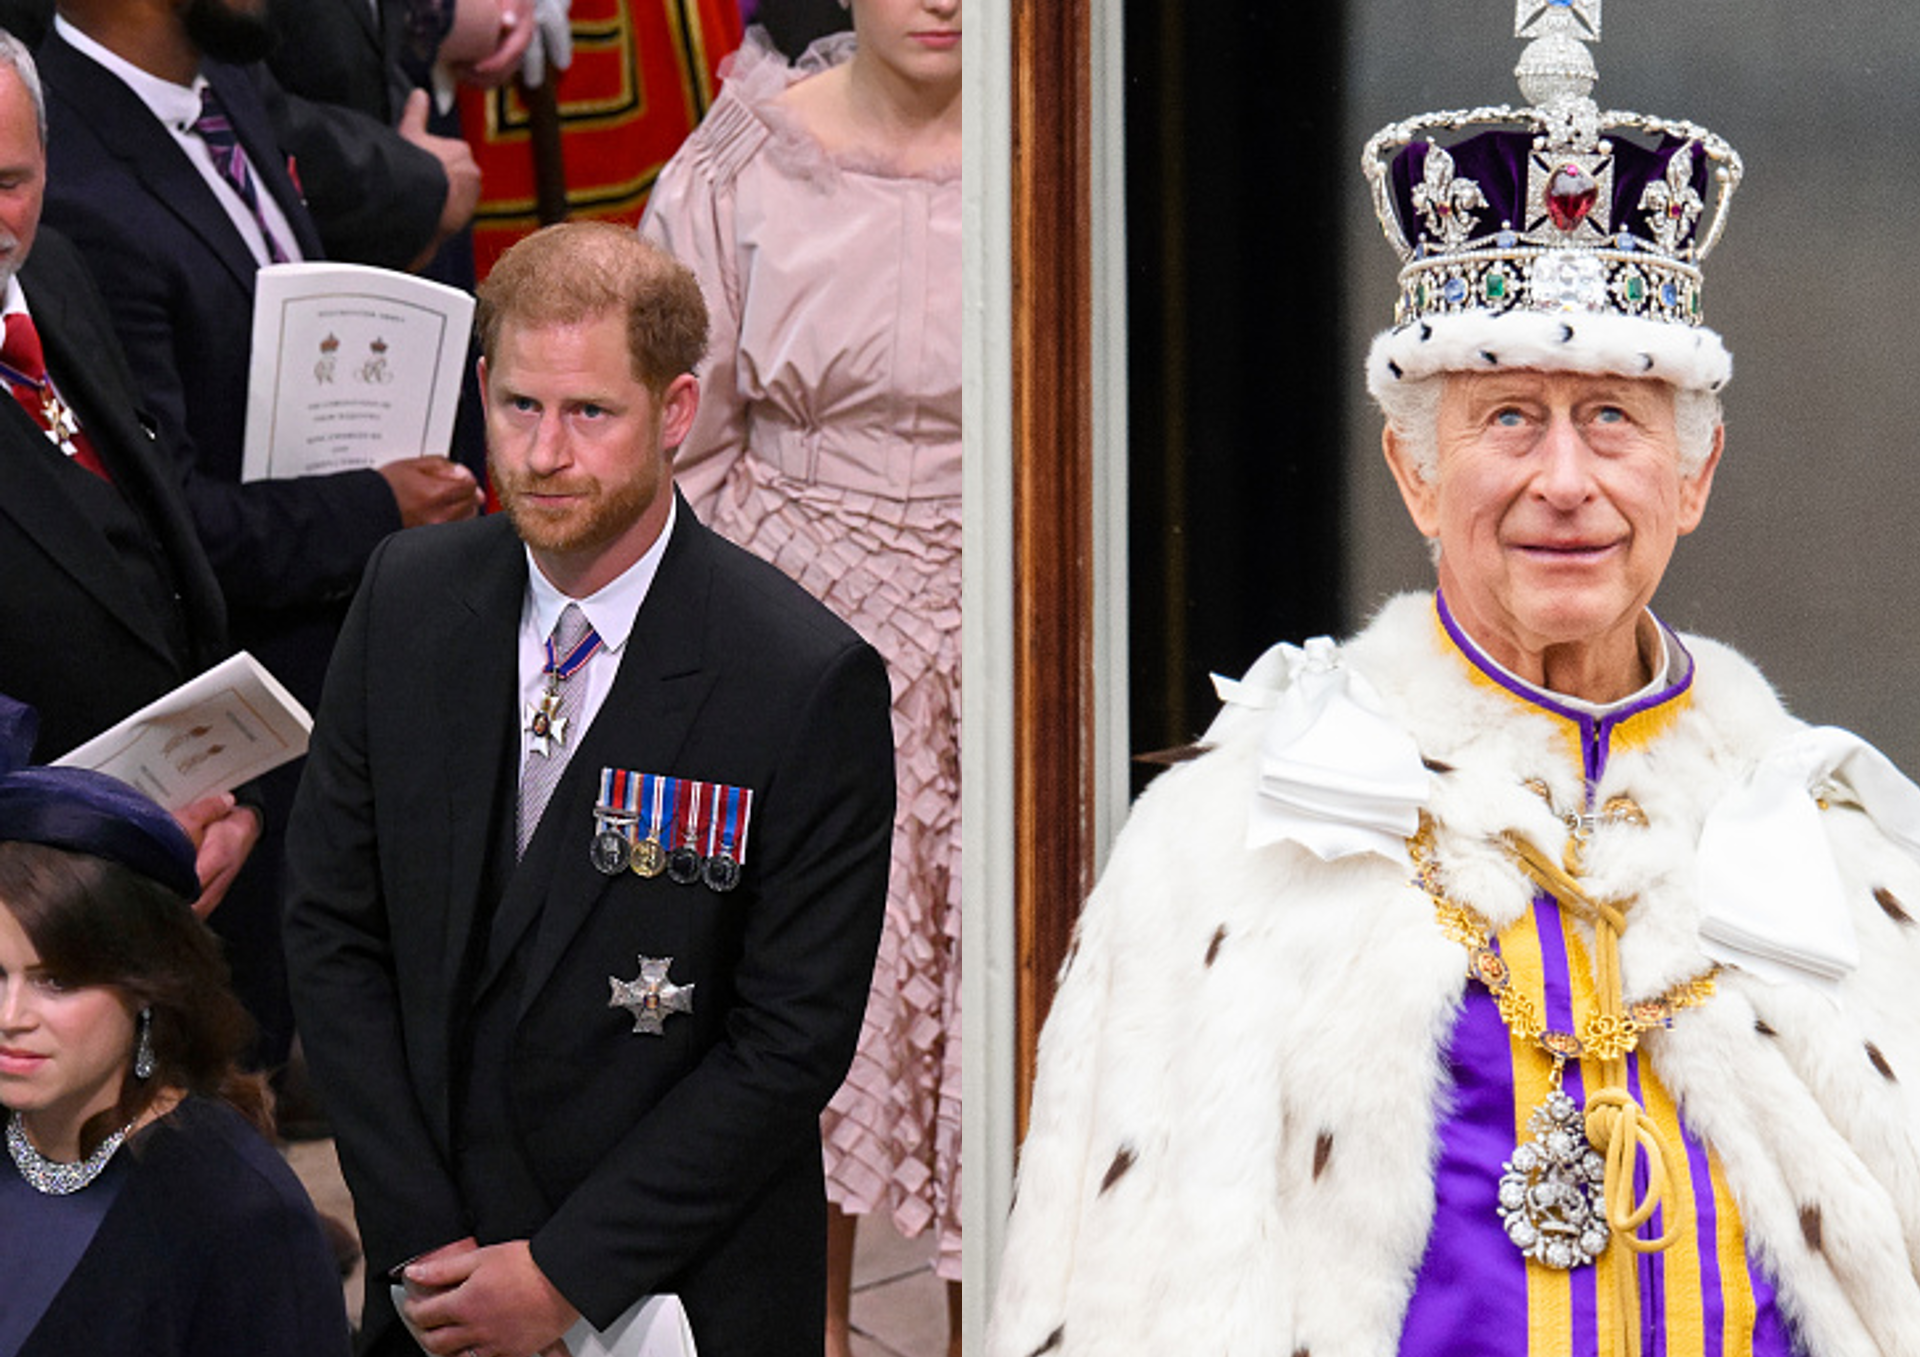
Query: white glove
552	41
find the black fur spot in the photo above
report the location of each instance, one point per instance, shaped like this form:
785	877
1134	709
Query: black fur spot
1394	368
1491	360
1054	1340
1426	332
1322	1152
1434	765
1760	1025
1890	902
1122	1161
1880	1063
1213	947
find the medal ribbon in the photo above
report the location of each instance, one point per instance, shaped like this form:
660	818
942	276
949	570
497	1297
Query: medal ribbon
746	822
733	821
566	668
689	835
720	793
668	825
652	784
626	796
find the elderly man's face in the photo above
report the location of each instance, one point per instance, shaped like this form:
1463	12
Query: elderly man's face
1557	502
23	173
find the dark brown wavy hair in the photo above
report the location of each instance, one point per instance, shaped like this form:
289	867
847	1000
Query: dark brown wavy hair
95	922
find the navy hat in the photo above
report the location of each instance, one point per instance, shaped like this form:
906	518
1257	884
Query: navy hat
86	812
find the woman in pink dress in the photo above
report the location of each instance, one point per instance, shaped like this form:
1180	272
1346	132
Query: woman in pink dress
820	206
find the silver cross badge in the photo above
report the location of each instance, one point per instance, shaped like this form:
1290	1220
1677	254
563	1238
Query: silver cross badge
651	997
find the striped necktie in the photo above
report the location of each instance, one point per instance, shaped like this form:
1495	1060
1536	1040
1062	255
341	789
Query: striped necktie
216	129
552	721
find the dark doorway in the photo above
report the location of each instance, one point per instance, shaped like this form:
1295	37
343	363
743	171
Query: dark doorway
1236	175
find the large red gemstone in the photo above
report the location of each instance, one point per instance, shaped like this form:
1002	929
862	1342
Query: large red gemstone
1571	194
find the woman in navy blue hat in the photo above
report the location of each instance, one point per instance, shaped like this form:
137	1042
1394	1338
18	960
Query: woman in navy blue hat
142	1208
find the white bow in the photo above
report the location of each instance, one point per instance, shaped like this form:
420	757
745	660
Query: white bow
1337	776
1771	896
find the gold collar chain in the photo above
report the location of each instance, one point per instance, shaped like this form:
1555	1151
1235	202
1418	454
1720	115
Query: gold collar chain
1569	1188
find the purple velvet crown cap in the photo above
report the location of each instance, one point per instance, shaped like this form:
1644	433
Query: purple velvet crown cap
86	812
1497	161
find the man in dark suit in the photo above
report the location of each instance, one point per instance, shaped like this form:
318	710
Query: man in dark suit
542	1149
176	247
373	57
110	601
168	246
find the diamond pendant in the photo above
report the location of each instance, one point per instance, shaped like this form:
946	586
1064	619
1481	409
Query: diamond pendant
1551	1195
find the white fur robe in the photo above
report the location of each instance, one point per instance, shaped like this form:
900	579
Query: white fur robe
1241	1079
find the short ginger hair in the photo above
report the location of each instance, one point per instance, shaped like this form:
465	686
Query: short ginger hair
579	271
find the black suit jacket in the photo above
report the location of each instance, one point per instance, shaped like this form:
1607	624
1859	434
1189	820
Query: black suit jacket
287	553
81	637
685	1162
342	52
375	197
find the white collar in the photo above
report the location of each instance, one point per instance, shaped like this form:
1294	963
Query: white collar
612	608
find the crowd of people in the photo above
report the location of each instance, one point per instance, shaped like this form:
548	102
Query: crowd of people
532	1165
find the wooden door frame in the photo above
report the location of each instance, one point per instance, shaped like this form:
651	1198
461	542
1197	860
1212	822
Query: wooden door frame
1043	777
1054	585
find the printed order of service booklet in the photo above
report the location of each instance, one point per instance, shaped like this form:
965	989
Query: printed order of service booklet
353	367
212	733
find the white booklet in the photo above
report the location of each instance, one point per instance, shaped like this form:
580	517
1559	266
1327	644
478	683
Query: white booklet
210	734
353	367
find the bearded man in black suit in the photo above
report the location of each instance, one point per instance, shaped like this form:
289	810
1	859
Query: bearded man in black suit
575	1055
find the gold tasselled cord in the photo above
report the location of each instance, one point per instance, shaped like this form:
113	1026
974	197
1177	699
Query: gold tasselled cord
1616	1123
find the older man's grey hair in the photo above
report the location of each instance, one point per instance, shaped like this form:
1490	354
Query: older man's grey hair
1412	409
14	53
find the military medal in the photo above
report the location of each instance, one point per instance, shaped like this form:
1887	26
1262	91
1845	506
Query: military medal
649	858
684	862
544	722
724	862
611	851
614	817
651	996
57	420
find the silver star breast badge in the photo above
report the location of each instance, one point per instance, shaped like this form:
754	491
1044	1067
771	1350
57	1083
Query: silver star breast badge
651	997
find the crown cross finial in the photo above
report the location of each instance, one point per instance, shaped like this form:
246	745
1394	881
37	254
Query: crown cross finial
1571	18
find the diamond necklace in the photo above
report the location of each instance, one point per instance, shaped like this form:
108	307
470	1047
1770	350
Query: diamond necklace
50	1176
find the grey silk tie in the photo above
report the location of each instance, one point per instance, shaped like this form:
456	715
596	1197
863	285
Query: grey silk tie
554	733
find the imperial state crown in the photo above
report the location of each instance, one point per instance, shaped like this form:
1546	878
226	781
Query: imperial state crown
1553	235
